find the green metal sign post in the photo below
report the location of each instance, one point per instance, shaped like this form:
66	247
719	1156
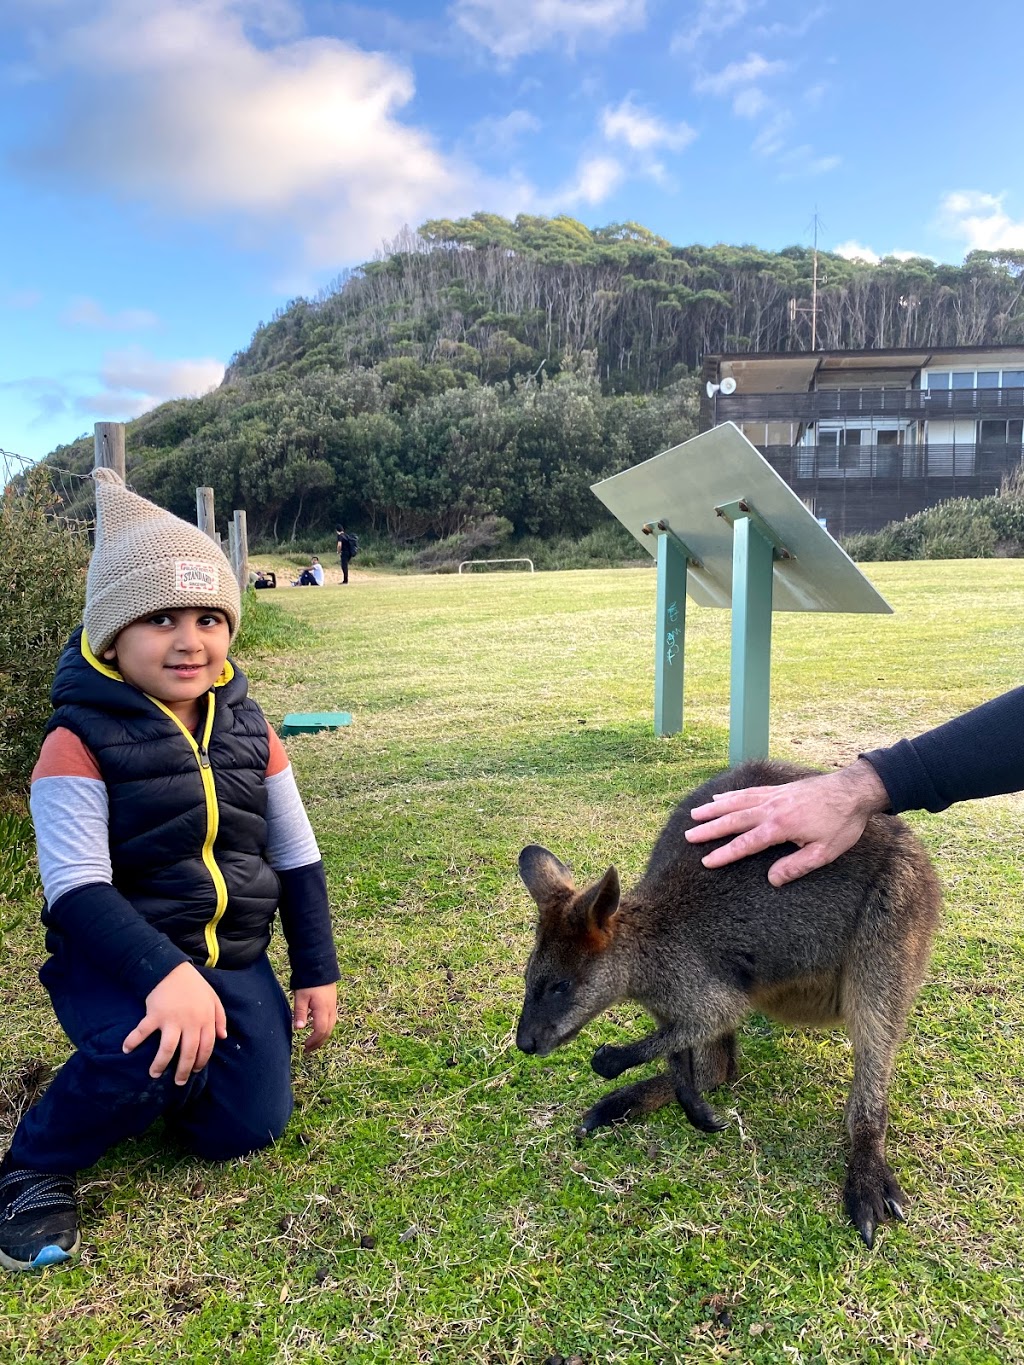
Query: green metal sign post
726	530
673	558
754	547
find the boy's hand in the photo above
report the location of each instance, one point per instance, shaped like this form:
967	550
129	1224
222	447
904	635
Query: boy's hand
318	1004
187	1013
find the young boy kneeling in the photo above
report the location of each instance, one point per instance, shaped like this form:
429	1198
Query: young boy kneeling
170	831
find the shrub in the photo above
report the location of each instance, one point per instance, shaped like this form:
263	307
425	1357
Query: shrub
42	577
962	528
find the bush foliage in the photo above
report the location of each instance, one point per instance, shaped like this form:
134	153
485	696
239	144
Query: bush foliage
963	528
42	573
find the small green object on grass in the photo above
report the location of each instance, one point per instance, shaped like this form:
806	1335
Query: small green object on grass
310	722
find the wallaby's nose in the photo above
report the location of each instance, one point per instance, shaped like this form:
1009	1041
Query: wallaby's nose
525	1043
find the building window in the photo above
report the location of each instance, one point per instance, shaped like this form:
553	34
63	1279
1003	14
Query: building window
1001	433
938	379
988	379
963	380
1013	379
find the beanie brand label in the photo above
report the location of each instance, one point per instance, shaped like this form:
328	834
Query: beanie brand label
195	575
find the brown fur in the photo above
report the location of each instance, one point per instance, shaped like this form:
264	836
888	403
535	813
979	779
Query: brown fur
700	949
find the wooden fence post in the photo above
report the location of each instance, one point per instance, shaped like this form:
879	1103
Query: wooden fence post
204	511
241	560
109	446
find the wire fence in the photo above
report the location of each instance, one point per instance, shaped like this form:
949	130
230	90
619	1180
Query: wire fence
74	497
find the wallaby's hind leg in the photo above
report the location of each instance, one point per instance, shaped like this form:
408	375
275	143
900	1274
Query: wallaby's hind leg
695	1107
714	1063
630	1102
872	1192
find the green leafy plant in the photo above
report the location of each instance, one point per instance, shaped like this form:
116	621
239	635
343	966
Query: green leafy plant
42	583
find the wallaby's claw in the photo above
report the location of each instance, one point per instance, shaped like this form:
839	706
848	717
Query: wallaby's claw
609	1061
872	1195
698	1111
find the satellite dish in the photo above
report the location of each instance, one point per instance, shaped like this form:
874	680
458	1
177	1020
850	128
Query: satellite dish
727	387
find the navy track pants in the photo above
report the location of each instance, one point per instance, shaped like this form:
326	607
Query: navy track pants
239	1102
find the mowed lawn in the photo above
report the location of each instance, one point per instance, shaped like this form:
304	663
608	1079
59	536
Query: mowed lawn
429	1201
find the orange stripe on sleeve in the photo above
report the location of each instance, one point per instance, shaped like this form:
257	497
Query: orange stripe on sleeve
64	755
278	760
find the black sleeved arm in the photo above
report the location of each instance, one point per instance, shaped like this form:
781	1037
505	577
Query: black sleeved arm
98	922
980	753
306	923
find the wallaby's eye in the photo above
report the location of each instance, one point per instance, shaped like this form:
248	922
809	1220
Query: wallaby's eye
560	988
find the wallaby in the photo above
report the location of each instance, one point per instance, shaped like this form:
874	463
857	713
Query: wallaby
700	949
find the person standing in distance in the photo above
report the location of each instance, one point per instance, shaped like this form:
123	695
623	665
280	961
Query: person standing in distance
345	550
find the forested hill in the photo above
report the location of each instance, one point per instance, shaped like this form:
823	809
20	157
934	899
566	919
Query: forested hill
486	367
493	298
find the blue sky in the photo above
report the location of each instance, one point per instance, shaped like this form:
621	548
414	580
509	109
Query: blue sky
176	170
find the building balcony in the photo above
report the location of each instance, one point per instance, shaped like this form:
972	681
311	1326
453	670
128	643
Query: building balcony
828	404
979	466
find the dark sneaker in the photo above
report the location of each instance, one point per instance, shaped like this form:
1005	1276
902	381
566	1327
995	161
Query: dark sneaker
38	1218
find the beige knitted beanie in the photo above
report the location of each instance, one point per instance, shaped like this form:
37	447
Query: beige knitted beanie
146	560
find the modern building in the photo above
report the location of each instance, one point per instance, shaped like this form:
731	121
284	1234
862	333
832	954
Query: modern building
869	437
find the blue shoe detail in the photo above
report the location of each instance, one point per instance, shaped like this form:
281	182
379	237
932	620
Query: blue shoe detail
50	1255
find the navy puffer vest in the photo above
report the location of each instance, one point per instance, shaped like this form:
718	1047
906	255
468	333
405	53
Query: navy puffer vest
187	839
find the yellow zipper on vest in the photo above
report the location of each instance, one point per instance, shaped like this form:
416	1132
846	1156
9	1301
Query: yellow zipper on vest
201	751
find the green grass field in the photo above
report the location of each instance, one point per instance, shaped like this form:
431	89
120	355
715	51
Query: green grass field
429	1201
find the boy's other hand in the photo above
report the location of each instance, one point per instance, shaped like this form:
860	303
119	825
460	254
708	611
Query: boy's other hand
187	1013
319	1005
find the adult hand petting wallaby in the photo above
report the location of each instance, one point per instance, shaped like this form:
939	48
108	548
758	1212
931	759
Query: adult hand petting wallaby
699	950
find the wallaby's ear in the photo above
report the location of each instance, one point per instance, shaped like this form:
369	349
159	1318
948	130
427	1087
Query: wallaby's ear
597	908
544	876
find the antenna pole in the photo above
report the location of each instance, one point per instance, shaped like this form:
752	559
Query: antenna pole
814	288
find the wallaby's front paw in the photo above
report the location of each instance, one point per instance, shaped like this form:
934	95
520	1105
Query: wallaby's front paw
872	1195
610	1061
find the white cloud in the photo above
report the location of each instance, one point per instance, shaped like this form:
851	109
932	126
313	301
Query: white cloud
753	68
771	139
981	221
794	30
797	162
511	28
712	18
644	131
596	178
504	134
217	107
86	312
750	102
855	251
135	381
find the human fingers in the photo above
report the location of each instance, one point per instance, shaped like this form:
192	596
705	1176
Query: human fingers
188	1050
169	1036
300	1010
207	1041
755	840
220	1020
720	824
139	1034
796	865
741	799
324	1019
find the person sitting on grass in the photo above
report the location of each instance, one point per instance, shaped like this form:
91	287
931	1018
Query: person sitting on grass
313	577
170	833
